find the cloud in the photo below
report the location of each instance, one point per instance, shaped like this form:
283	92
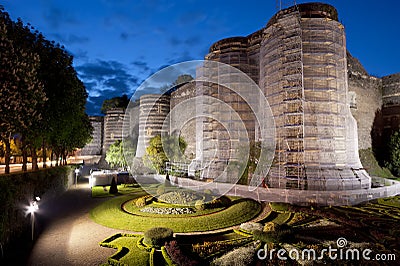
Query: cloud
56	17
106	79
70	38
124	36
141	65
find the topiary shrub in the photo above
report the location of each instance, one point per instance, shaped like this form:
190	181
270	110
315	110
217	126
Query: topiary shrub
140	202
219	202
157	236
143	201
200	205
113	187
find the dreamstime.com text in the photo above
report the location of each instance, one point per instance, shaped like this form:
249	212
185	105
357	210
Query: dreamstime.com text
338	253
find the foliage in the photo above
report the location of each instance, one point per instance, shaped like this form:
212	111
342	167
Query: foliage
143	201
157	236
164	149
115	154
210	249
394	153
219	202
273	233
200	205
182	79
239	257
252	162
181	197
42	101
17	189
116	102
371	165
21	92
175	253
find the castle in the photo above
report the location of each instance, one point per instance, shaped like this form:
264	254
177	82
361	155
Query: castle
300	62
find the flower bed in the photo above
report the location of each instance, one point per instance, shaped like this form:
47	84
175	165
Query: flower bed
171	210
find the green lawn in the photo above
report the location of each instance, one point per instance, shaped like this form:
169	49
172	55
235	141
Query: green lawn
103	191
111	215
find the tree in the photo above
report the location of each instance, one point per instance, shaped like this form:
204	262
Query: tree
21	92
118	152
182	79
159	148
42	100
116	102
394	153
66	126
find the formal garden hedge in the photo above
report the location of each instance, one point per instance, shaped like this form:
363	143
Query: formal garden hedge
18	189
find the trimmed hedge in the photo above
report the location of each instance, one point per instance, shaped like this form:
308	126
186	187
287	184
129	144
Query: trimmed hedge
157	236
17	189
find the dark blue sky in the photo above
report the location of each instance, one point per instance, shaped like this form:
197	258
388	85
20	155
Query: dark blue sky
118	43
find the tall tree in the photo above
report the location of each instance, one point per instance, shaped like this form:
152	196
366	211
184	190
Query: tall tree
394	153
160	148
116	102
21	92
119	152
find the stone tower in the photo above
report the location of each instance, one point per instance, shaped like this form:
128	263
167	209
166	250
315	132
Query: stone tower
303	73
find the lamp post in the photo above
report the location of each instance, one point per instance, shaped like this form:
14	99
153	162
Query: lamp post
76	176
32	208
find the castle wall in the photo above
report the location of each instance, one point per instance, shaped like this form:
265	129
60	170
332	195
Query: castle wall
391	103
188	131
365	99
153	111
113	127
94	147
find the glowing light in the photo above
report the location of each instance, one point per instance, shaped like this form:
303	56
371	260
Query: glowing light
33	207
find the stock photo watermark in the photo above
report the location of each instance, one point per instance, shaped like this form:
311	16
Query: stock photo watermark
339	252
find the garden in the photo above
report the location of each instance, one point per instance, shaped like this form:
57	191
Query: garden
183	227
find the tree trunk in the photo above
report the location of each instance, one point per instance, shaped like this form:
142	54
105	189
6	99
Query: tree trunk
34	159
44	155
51	158
64	157
24	158
57	157
7	155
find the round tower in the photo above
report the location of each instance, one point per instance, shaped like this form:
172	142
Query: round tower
153	110
303	73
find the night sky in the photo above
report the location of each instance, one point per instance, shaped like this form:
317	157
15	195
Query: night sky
117	44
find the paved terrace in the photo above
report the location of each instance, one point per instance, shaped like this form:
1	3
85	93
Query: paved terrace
388	188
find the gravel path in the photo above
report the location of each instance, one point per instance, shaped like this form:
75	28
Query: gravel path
69	236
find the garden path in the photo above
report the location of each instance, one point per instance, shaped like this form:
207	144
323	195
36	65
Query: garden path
69	236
